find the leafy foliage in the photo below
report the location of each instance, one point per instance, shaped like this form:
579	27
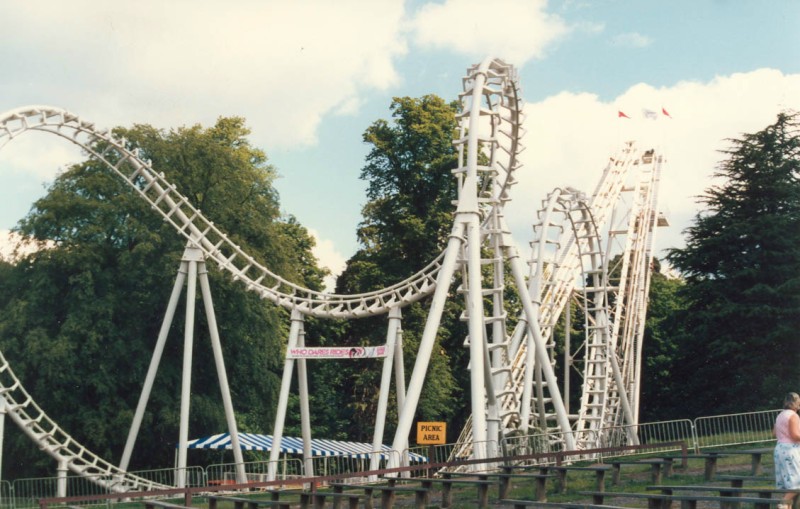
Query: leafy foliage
405	225
78	321
742	269
659	350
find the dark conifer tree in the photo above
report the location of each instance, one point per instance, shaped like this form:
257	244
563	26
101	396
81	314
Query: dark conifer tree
741	347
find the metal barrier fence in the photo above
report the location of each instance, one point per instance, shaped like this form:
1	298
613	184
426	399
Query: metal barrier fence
734	429
193	476
27	492
434	453
6	495
534	444
650	433
255	471
702	433
323	466
453	452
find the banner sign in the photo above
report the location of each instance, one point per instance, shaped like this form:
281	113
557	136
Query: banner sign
336	352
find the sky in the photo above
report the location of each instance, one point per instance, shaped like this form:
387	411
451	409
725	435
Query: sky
310	76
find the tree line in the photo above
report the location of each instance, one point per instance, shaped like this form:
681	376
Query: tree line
79	318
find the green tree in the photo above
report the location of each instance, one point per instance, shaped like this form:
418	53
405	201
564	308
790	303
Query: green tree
78	321
405	225
742	269
410	190
660	349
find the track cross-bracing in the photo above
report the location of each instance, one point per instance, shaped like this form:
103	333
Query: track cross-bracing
517	383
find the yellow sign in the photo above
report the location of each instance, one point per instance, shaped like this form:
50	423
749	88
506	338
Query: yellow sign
431	433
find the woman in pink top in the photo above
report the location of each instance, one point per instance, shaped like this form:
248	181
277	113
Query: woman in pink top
787	450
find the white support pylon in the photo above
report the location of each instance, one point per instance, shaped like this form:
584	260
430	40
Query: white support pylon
149	380
305	402
192	268
491	112
222	375
392	333
283	396
2	431
411	399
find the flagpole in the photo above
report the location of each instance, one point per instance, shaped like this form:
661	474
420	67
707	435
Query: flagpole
621	116
667	118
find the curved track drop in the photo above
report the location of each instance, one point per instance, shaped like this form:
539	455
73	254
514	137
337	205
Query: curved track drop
576	239
31	419
622	213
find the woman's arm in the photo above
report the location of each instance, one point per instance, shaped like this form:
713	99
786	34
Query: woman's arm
794	427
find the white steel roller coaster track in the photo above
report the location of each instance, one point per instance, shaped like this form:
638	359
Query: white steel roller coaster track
192	224
215	245
35	423
571	246
491	127
502	94
573	237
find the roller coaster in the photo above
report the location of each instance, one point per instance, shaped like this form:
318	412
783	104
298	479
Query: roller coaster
593	250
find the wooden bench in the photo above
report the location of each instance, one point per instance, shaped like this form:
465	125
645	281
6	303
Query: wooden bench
755	457
353	499
539	482
725	491
482	485
656	466
737	481
508	474
684	459
522	504
241	502
710	463
479	480
599	472
561	474
152	504
482	481
687	501
388	492
369	490
421	495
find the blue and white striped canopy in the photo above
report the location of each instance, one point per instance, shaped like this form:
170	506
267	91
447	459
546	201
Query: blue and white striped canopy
293	445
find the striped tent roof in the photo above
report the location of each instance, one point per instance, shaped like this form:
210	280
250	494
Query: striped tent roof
292	445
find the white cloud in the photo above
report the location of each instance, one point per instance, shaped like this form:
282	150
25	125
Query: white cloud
589	27
632	40
181	62
460	25
11	241
571	136
329	258
7	244
39	155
